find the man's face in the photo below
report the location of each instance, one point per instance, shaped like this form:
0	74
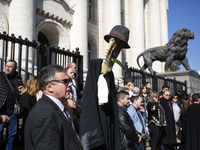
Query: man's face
166	95
10	68
148	85
60	90
74	68
70	73
139	102
125	101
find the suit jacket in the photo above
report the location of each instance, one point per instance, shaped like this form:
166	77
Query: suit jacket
47	128
135	118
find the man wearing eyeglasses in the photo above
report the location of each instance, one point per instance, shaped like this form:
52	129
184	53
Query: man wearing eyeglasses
48	125
168	135
75	87
71	70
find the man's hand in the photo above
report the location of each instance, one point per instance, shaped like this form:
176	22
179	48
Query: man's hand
5	118
140	138
20	88
142	109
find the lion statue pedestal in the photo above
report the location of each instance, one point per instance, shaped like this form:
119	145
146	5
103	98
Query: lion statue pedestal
191	76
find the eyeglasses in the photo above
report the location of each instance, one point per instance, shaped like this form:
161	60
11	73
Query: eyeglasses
64	81
156	97
175	98
72	98
167	95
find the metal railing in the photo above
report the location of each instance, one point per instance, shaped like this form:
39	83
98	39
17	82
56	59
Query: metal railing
140	77
32	56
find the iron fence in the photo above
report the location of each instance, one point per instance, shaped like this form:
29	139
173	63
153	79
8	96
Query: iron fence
32	56
140	77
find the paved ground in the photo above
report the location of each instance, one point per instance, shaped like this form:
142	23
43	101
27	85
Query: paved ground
19	146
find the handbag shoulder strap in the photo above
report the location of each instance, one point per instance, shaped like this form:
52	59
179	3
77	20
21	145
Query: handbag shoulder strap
10	85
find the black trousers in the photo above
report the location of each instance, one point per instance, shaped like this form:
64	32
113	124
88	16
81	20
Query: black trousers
155	133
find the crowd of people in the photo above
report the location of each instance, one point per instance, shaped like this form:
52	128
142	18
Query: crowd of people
167	122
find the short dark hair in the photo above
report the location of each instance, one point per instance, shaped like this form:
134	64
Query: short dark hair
147	83
121	94
165	86
134	98
47	74
195	97
15	63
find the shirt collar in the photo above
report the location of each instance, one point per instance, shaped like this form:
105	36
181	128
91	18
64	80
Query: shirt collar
124	108
57	101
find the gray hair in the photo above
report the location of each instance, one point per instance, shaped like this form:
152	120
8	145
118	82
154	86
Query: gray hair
136	90
47	74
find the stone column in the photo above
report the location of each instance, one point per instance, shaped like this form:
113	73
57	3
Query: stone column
127	24
164	26
155	38
111	17
79	38
137	31
22	18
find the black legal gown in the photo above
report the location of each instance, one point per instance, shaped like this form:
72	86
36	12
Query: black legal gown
193	127
168	135
99	124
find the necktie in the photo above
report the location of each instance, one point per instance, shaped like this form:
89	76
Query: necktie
140	117
70	120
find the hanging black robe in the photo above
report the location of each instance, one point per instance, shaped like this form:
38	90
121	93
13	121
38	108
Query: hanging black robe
193	127
99	124
169	133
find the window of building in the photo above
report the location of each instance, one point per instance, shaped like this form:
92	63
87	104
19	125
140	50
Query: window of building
89	53
92	6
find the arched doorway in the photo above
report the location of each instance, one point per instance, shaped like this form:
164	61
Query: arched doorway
42	39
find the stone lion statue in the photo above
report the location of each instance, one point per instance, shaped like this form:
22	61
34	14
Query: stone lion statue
175	49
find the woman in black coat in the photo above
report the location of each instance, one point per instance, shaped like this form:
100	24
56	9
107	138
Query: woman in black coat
28	99
156	120
182	121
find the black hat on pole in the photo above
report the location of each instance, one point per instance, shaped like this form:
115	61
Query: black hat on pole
119	32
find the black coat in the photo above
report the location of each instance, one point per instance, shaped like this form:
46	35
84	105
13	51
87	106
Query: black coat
99	124
169	132
156	114
47	128
193	127
182	123
4	86
127	130
26	103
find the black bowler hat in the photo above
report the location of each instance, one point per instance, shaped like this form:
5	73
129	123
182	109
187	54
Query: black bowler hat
119	32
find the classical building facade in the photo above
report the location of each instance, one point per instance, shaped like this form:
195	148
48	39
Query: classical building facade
83	24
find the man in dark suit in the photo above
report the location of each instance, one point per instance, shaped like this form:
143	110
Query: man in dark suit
75	88
48	125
